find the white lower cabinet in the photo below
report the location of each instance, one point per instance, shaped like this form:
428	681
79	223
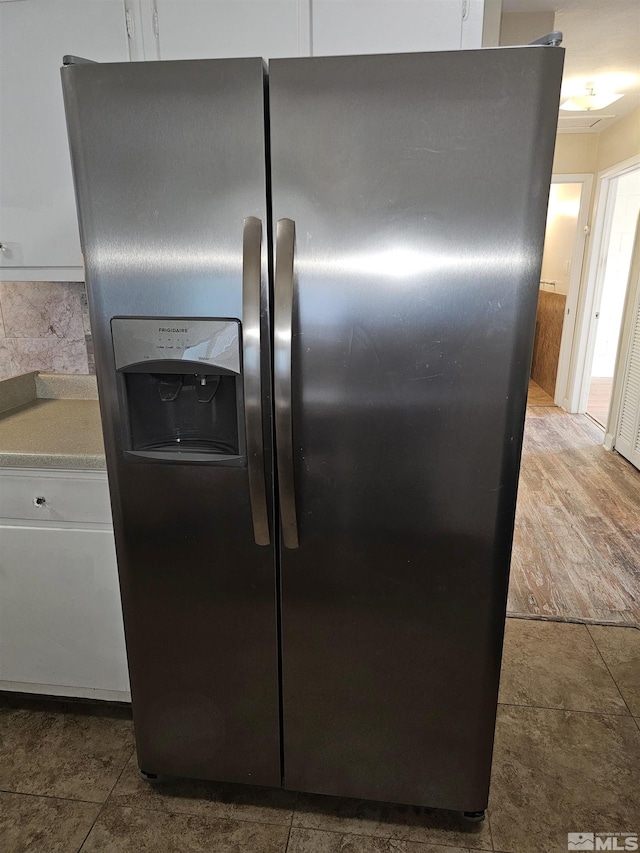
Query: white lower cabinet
61	629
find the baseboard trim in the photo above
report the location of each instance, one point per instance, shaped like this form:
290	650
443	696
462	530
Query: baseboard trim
65	692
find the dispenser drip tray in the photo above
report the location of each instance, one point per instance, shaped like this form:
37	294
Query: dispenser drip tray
183	416
191	445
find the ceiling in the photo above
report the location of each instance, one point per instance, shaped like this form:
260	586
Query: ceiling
602	41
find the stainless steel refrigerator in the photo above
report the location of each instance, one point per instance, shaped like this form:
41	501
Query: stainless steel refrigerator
313	298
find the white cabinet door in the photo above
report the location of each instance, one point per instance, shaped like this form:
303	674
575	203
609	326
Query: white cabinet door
203	29
199	29
38	223
386	26
60	614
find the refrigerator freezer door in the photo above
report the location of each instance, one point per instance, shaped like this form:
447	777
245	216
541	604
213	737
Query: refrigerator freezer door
418	186
169	163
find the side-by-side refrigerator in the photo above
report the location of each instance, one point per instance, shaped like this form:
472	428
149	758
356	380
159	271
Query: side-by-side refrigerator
313	296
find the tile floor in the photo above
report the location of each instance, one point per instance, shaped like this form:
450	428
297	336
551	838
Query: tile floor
566	759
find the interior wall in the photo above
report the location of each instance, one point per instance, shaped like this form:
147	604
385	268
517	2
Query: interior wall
524	27
592	153
618	142
491	23
576	153
560	236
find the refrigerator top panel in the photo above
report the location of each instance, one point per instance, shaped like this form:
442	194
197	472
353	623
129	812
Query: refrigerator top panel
208	343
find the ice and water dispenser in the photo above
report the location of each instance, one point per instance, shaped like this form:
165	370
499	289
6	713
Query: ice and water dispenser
180	389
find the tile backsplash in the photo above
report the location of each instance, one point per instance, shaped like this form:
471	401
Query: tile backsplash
44	325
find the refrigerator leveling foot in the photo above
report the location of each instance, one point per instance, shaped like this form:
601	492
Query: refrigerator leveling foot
474	817
153	778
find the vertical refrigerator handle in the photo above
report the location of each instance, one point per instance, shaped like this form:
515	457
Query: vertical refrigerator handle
283	326
251	350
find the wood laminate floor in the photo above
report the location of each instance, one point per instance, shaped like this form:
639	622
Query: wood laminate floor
577	539
538	396
600	391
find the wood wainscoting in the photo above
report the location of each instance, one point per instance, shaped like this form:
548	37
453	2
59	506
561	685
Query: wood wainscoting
546	348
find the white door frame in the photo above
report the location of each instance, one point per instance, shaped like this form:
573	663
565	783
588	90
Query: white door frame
573	293
586	321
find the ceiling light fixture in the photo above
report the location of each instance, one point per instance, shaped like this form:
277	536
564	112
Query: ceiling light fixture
590	101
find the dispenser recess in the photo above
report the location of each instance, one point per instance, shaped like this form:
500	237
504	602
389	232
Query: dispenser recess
180	389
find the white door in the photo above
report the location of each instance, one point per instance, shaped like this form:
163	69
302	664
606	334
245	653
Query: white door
623	204
627	440
565	239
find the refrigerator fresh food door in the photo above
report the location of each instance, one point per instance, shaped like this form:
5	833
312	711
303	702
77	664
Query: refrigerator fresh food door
169	163
409	201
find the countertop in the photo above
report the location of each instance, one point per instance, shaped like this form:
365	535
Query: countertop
50	421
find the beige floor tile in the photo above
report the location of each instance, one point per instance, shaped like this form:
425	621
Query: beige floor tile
556	665
43	824
126	830
620	648
209	799
318	841
385	820
556	772
70	753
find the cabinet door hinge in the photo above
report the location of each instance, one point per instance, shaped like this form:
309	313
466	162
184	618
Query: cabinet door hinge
156	28
465	9
129	23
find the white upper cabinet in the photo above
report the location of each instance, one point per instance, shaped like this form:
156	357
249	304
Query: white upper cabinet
388	26
202	29
197	29
38	226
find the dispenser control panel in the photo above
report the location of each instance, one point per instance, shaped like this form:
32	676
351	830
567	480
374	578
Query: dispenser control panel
212	342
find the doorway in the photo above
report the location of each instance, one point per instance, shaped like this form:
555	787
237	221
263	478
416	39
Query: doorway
563	257
582	365
621	214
